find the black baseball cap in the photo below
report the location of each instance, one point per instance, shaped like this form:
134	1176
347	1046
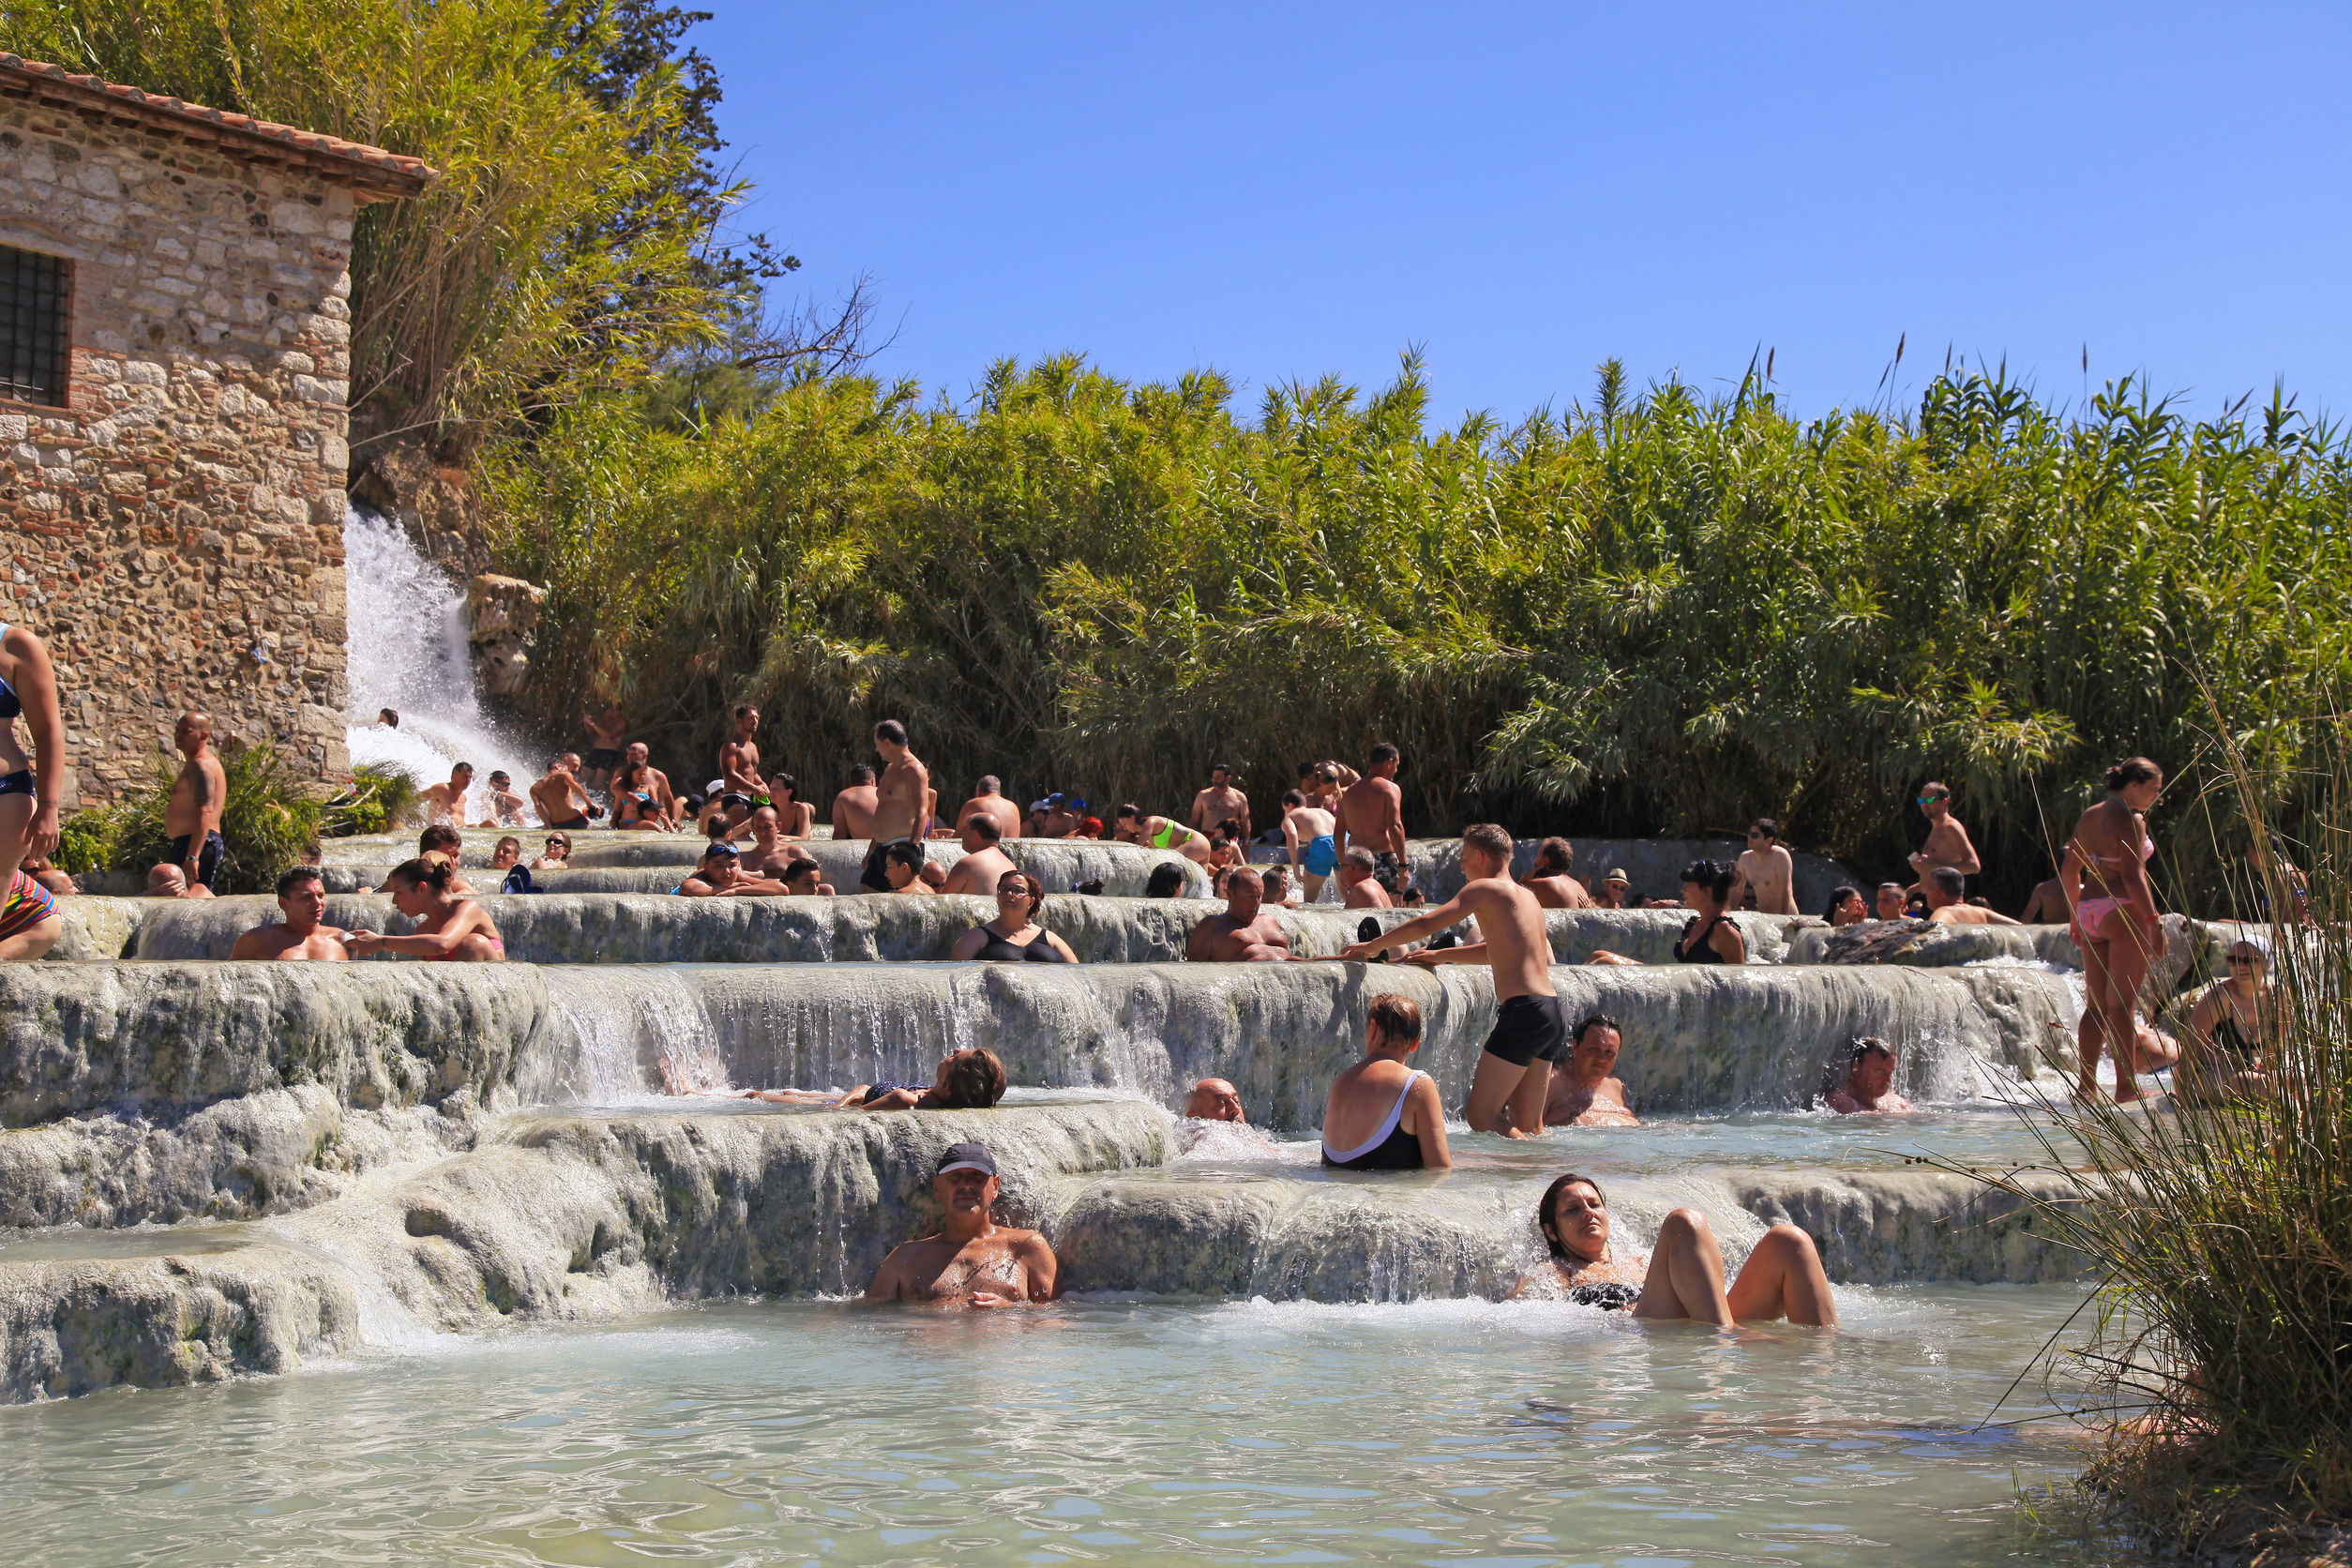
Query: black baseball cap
965	1156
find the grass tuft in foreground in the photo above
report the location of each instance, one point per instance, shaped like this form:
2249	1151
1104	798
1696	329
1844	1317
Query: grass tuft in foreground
2221	1226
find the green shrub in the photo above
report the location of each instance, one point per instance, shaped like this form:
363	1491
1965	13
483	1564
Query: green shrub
382	798
87	841
270	821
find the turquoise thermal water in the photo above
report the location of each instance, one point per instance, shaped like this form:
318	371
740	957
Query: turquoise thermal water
750	1433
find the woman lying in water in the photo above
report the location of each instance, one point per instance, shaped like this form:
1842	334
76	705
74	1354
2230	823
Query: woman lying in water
1683	1277
448	927
966	1081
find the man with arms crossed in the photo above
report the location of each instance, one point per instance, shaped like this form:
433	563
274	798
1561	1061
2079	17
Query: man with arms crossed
988	800
972	1260
901	799
1219	801
1246	933
192	819
1371	812
302	899
1515	1071
1582	1094
739	758
558	797
1947	840
1767	868
983	866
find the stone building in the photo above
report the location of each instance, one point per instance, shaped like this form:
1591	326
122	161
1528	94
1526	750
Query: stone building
175	363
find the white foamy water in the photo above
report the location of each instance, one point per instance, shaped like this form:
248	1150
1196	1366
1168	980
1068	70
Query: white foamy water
407	652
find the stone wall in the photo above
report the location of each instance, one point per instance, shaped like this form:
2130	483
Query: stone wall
175	531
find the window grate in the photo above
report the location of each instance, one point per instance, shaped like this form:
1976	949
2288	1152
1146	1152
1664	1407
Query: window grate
34	292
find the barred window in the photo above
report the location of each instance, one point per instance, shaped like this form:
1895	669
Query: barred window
33	338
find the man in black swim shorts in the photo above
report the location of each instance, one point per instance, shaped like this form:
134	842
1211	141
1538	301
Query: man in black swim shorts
1530	1028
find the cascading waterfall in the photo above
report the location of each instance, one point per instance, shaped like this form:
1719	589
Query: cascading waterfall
407	652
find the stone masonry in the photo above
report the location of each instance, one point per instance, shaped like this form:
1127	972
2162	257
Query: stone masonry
175	531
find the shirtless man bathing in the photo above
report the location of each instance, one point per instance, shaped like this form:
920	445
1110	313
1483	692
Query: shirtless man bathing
902	798
739	758
302	899
558	798
1219	803
1246	933
972	1260
1531	1033
192	819
1371	813
1767	870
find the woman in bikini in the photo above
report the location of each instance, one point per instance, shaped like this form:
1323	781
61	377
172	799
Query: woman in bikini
1014	936
1682	1276
635	802
448	928
796	818
2233	1027
2114	920
29	922
1382	1115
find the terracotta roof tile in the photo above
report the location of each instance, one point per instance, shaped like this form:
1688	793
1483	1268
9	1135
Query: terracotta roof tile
389	173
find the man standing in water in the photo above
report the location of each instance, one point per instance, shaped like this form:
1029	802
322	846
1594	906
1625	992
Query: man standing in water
606	731
1768	870
1531	1033
1947	840
901	800
739	758
1371	813
1220	802
1308	834
302	899
192	819
972	1260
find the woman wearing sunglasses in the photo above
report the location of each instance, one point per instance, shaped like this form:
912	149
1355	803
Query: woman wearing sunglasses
1014	936
2233	1026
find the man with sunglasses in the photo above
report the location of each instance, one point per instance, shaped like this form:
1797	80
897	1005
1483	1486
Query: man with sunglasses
1947	840
1767	870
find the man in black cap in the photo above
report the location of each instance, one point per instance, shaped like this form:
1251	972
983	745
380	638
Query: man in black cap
973	1261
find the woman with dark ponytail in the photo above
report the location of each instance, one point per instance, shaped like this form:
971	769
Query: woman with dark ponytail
2114	920
448	927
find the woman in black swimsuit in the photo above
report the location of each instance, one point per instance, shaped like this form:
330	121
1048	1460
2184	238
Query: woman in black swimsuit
1709	937
2231	1027
1014	936
1382	1115
1683	1277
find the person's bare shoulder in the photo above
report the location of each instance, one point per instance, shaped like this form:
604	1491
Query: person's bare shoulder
1843	1103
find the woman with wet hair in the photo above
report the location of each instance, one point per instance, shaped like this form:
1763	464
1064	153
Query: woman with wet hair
2115	921
1681	1278
1846	908
1014	936
450	928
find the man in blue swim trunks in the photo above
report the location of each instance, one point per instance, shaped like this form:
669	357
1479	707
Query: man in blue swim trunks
1307	833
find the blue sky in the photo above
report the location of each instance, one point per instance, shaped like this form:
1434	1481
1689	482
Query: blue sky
1285	191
